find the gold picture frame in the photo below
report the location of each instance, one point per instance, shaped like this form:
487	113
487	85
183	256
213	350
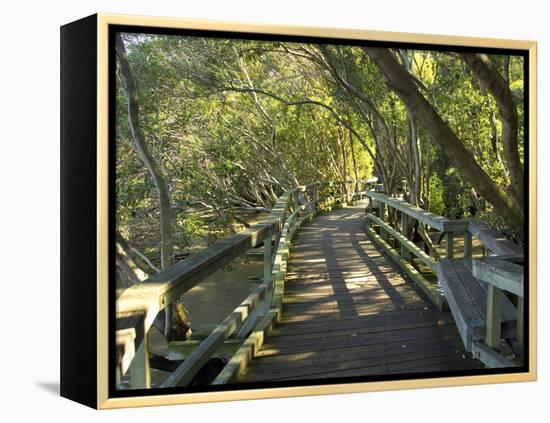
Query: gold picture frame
97	394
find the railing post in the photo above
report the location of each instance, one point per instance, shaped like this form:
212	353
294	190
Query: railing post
140	371
370	205
315	197
383	233
267	257
494	301
467	244
403	231
519	323
449	245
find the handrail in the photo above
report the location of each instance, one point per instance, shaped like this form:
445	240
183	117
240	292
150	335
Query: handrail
490	238
151	296
438	222
501	272
161	289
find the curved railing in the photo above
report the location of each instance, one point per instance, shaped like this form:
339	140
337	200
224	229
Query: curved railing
138	306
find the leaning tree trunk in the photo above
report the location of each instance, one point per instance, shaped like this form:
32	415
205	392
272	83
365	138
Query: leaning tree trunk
403	85
166	227
498	86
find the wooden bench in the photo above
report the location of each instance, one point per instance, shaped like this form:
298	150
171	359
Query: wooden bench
467	299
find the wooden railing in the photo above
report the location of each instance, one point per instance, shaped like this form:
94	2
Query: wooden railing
379	204
503	276
138	306
499	268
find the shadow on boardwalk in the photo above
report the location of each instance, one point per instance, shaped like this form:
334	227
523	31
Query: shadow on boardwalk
349	312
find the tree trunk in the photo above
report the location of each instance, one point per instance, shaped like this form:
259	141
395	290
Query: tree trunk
166	227
354	160
401	82
142	262
488	74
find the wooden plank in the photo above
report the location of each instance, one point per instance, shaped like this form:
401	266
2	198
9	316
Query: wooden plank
353	331
388	319
440	223
493	240
181	350
360	279
478	293
359	293
351	300
354	352
342	308
468	319
358	285
380	360
491	358
358	340
501	273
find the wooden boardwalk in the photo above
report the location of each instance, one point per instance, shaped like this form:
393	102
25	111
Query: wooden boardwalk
349	312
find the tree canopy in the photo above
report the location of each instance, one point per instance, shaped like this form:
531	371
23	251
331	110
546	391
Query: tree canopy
210	131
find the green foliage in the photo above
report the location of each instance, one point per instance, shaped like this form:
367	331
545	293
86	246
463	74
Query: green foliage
437	193
224	149
456	195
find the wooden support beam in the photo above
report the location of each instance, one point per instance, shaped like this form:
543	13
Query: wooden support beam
490	357
449	245
494	302
140	371
267	258
403	229
467	244
520	323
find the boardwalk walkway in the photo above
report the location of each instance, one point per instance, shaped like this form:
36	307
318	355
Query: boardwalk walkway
349	312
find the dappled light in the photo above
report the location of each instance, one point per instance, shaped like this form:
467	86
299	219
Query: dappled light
348	312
